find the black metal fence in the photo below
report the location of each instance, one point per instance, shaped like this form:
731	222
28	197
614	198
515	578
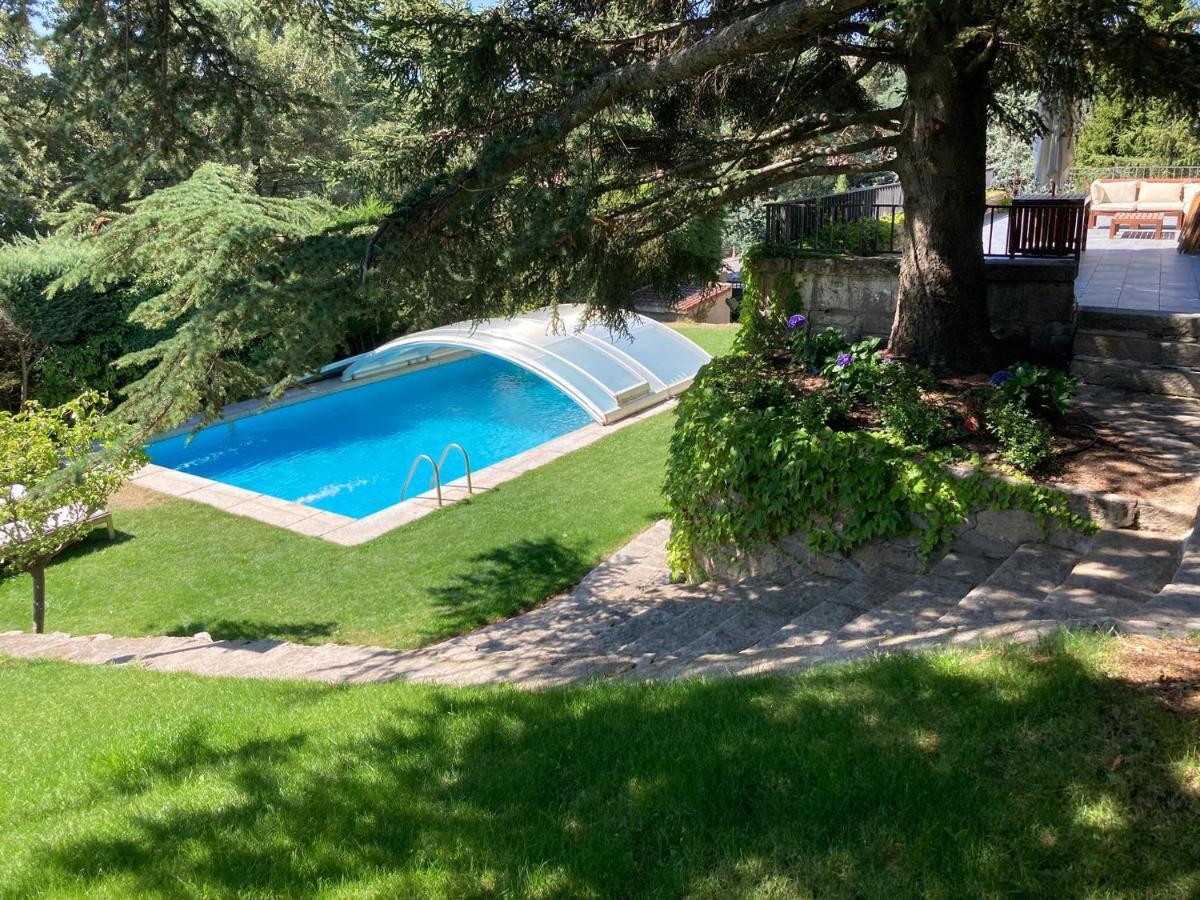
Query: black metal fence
863	228
1043	226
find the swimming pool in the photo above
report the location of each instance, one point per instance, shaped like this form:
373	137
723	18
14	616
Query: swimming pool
349	452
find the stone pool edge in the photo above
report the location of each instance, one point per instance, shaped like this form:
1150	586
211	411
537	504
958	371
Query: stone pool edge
348	532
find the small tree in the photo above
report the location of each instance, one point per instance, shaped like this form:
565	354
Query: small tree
58	467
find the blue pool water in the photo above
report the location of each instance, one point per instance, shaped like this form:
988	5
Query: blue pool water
349	452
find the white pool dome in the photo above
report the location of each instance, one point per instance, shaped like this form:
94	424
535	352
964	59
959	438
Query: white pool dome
609	374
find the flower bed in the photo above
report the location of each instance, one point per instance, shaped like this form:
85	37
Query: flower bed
802	432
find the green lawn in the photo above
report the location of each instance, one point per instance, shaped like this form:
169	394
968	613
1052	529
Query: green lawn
183	567
1017	773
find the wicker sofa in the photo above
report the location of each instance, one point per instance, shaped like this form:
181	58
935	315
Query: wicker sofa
1154	195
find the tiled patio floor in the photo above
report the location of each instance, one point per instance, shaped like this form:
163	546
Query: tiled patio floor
1136	272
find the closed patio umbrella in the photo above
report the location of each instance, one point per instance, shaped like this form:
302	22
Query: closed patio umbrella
1054	148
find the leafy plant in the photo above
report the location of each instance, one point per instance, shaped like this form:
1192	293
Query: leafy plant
853	371
741	474
1035	389
819	408
861	236
918	421
52	481
896	390
1025	441
821	348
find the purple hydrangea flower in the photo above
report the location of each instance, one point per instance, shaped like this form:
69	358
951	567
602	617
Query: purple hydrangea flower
843	360
796	321
1000	377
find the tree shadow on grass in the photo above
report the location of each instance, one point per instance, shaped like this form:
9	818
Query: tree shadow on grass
907	776
255	630
95	540
503	582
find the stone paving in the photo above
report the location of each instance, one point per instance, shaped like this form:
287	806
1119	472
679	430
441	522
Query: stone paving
1135	272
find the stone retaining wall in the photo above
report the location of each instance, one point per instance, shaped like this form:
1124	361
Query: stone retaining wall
1031	302
992	533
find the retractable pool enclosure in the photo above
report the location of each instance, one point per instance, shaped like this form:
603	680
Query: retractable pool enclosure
609	374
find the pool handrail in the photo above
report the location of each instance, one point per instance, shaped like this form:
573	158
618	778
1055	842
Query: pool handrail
466	461
437	476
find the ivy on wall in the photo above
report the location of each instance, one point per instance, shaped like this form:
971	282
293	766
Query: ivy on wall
753	459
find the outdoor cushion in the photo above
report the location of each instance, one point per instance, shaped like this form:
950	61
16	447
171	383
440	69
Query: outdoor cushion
1159	206
1114	192
1189	194
19	531
1114	207
1159	192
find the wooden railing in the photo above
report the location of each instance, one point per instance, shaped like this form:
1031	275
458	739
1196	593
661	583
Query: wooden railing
1048	226
1035	226
1189	235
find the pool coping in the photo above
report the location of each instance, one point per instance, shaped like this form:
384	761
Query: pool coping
349	532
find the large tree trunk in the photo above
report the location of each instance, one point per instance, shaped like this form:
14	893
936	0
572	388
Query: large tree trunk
941	316
38	573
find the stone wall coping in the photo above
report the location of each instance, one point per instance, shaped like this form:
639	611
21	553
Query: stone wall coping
1027	270
830	265
996	268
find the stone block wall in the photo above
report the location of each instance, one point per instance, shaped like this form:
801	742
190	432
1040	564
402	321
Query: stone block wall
1031	302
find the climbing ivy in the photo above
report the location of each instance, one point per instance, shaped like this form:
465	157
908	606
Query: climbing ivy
751	462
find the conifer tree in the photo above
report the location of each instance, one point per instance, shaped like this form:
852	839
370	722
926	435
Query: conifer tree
541	151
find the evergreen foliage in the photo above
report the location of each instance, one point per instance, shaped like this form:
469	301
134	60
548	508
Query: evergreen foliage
531	152
247	291
1119	133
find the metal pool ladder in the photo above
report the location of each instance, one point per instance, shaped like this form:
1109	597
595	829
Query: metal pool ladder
437	470
466	462
437	476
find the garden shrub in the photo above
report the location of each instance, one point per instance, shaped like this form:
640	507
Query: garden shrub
861	236
896	390
853	371
1025	440
69	338
917	421
825	406
1035	389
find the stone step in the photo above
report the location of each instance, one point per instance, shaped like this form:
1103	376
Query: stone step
799	658
1166	326
824	618
730	616
914	609
741	630
1016	590
1121	572
1115	345
1132	376
1175	612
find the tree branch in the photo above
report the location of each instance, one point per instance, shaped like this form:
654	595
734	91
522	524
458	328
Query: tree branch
783	23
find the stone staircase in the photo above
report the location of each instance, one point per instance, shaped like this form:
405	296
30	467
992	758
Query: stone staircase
1153	353
626	620
964	597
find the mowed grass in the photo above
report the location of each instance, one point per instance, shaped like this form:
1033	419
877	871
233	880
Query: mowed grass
182	567
1022	772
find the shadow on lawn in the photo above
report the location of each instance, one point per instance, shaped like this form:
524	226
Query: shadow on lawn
503	582
95	540
253	630
906	776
